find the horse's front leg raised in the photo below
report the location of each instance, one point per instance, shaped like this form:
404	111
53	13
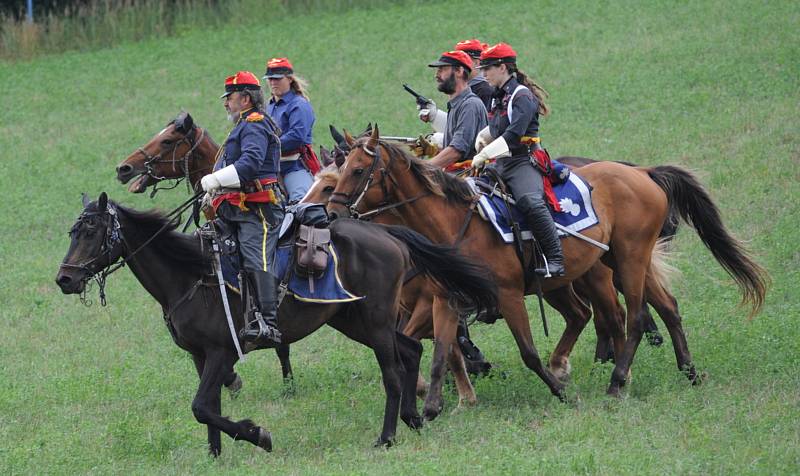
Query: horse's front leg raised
207	407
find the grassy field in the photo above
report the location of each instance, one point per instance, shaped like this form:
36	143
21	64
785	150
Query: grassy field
713	86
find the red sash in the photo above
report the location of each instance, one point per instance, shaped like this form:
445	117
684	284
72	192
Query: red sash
238	199
541	160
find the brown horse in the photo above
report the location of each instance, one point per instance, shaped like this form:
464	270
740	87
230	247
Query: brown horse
631	203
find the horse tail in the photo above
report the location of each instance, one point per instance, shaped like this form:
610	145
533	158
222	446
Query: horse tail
470	285
694	205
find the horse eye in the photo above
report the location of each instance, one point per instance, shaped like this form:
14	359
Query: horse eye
358	171
328	189
167	142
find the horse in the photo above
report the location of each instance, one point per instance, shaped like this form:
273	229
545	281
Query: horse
377	173
182	150
172	267
192	154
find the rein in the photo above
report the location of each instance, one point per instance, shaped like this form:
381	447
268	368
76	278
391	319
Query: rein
112	238
352	205
151	160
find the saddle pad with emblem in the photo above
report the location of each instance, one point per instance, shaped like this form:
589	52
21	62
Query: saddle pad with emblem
574	196
327	289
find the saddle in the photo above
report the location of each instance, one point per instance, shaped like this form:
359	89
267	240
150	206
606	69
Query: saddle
313	242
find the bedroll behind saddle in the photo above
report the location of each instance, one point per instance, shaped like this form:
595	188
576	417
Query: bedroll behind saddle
312	244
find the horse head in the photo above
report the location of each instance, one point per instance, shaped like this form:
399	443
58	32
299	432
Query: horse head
361	171
167	155
95	244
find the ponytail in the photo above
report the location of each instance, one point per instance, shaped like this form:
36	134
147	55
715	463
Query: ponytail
299	86
538	92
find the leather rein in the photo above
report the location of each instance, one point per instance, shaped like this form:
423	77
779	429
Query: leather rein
345	198
152	160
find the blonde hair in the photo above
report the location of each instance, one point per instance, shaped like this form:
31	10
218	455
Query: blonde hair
299	85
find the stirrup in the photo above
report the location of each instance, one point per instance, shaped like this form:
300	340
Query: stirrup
267	333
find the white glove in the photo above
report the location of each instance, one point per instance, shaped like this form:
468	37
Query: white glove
437	118
437	139
227	177
483	138
498	148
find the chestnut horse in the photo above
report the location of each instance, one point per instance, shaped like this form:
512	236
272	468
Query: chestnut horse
173	268
631	203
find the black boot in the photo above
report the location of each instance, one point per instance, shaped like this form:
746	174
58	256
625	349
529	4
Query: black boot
263	328
544	230
474	360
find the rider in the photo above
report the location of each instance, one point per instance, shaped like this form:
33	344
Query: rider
477	82
290	109
246	196
466	115
513	138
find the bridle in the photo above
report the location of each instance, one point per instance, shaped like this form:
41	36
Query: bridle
152	160
345	198
113	238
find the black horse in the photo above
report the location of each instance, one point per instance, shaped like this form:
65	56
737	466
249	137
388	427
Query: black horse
174	267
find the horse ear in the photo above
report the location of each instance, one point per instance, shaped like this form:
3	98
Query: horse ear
337	136
349	139
339	157
373	138
85	200
368	130
102	202
184	122
326	156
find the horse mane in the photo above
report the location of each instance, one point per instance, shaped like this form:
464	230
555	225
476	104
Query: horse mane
182	250
436	180
331	171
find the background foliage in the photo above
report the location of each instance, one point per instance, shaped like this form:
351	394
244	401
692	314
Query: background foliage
712	86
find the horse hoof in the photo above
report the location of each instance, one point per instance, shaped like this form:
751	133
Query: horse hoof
655	338
384	443
235	387
414	422
265	440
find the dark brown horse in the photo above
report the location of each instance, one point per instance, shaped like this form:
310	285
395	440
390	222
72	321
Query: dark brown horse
632	205
373	262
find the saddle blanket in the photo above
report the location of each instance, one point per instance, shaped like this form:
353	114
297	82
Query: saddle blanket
574	196
327	289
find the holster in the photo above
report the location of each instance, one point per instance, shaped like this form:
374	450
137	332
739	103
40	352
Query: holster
311	249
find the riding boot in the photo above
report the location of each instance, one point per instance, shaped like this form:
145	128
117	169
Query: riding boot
544	230
263	328
473	357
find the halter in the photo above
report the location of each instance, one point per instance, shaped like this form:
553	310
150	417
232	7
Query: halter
384	205
151	160
113	238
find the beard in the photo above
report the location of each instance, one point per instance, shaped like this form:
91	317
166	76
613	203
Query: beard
448	85
232	117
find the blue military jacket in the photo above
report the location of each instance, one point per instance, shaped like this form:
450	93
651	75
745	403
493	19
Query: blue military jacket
252	147
524	120
295	116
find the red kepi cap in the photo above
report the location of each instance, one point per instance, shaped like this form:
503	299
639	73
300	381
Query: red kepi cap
472	47
498	54
453	58
278	68
240	81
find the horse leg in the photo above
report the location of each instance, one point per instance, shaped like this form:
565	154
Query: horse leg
386	352
410	354
445	322
577	315
632	265
667	307
609	316
417	327
649	326
512	306
457	364
286	366
206	406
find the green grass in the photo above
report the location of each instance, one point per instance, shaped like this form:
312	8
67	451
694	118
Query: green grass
712	86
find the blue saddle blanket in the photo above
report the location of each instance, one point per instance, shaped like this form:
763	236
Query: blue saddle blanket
574	196
327	289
